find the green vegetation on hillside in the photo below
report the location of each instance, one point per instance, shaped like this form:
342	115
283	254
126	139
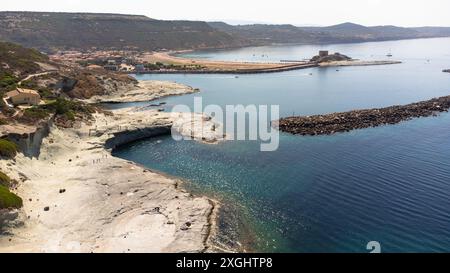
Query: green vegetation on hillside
18	61
63	109
8	199
49	31
7	81
45	92
63	106
34	114
8	148
15	63
4	179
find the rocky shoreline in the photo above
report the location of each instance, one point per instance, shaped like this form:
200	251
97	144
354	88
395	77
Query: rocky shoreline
79	198
359	119
142	92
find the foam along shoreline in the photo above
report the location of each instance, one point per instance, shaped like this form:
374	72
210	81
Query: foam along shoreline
143	91
359	119
79	198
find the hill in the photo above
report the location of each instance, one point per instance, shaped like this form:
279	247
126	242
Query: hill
49	31
355	32
16	62
342	33
52	79
434	31
263	34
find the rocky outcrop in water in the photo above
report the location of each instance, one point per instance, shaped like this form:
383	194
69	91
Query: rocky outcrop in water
359	119
336	57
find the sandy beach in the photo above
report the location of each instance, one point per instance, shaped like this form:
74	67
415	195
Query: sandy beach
208	66
168	57
79	198
222	66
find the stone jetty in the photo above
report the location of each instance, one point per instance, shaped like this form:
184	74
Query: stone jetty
359	119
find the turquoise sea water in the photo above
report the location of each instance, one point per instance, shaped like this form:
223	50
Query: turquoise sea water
330	193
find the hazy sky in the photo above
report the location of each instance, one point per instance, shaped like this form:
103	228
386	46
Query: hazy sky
298	12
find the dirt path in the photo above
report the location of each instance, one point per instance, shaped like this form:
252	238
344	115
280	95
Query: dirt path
36	75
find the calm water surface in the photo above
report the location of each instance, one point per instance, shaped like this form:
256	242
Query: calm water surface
329	193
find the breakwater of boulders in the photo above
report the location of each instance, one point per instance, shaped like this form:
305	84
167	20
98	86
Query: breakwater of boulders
358	119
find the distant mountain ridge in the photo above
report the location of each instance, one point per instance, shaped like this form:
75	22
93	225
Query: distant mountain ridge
341	33
49	31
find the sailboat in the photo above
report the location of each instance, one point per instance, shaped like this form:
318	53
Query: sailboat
389	54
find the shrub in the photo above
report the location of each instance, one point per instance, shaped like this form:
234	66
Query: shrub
7	81
62	107
7	148
35	113
29	84
4	179
9	199
70	115
45	92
